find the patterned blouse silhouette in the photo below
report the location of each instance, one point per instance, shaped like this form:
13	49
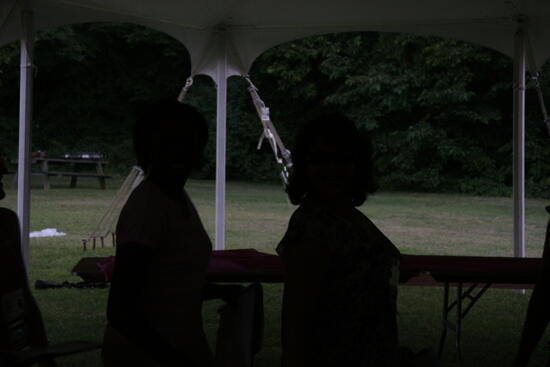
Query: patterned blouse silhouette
339	303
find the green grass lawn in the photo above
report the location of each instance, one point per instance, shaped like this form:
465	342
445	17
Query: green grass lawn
257	216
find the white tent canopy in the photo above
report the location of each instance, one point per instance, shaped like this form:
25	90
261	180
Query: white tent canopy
224	37
252	26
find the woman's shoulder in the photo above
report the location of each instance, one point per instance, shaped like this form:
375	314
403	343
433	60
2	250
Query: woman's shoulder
142	217
315	225
9	225
373	234
8	218
312	220
299	225
145	191
364	222
6	213
145	200
298	217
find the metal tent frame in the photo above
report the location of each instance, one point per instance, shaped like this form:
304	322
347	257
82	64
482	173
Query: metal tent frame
224	67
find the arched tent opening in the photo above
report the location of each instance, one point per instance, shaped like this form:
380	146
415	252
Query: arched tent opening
89	80
376	77
224	38
458	136
62	63
71	98
498	54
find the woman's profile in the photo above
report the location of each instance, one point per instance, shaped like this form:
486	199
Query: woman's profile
339	302
155	300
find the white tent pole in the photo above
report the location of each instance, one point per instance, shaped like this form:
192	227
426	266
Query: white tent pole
519	142
221	125
25	118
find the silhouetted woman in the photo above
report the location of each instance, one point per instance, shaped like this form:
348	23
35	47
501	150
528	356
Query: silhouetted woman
20	333
538	313
155	301
339	303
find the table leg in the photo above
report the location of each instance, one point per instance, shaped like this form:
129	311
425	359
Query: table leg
45	176
470	297
458	323
445	320
73	178
99	168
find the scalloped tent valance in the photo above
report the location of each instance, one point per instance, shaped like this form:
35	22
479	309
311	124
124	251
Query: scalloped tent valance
249	27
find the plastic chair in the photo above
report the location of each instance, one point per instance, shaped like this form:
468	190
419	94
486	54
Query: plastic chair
23	340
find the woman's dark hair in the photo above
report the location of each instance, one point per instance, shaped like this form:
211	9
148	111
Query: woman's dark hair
166	116
342	134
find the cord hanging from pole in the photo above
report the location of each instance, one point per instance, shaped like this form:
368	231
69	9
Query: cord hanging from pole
106	227
9	14
281	153
535	77
185	89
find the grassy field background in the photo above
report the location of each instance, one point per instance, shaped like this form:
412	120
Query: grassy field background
257	216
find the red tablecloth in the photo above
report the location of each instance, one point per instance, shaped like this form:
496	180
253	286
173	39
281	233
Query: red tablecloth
473	269
249	265
244	265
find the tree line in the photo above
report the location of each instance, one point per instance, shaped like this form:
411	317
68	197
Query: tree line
439	111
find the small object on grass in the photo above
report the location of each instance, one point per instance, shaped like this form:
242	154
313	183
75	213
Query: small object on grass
47	232
83	155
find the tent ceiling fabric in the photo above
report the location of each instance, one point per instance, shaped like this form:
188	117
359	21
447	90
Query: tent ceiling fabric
252	26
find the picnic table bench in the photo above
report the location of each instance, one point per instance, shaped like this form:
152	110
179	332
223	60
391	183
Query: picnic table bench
69	170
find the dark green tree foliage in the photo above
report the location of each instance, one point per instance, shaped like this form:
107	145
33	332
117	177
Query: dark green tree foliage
89	80
439	111
8	98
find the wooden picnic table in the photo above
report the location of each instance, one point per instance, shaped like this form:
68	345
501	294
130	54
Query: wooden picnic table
68	167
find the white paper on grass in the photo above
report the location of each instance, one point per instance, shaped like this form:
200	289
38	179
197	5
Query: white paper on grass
47	232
